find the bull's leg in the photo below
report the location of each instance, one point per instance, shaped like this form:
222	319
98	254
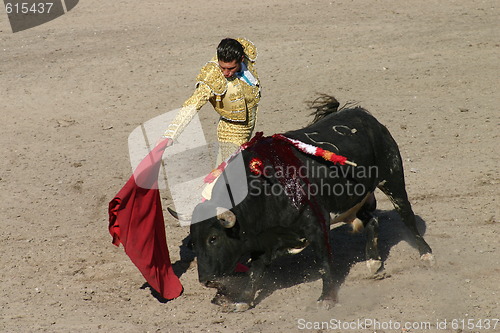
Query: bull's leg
240	295
396	192
254	283
371	203
329	294
370	224
373	259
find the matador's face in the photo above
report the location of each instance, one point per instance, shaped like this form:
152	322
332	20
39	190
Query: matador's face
229	68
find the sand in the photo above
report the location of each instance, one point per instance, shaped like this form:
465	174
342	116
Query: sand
73	89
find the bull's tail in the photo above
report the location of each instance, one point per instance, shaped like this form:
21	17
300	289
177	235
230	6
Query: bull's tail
324	105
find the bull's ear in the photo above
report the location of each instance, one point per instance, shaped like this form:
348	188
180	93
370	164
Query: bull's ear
226	217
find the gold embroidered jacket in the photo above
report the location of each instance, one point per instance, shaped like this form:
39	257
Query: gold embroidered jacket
235	100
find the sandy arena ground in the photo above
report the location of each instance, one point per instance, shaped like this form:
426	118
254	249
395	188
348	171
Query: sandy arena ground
73	89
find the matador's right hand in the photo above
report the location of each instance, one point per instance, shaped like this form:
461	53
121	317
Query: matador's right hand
162	139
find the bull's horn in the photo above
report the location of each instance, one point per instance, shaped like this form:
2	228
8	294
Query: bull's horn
226	217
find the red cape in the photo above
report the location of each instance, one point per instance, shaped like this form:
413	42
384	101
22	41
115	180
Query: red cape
136	221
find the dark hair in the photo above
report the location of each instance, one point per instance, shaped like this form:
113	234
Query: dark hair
229	50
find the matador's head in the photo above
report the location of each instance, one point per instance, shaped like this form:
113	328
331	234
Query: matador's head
230	54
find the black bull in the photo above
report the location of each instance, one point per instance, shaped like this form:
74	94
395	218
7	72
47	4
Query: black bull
292	199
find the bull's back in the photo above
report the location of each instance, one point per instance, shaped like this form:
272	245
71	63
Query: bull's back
353	133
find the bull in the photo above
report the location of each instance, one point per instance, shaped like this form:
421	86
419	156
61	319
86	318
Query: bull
295	196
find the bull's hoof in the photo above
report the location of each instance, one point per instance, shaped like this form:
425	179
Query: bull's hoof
229	305
428	258
326	304
380	276
375	267
236	307
220	299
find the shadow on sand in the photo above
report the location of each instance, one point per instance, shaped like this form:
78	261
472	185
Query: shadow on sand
348	250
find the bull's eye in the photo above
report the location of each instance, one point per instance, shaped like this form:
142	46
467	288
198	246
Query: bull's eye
212	240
